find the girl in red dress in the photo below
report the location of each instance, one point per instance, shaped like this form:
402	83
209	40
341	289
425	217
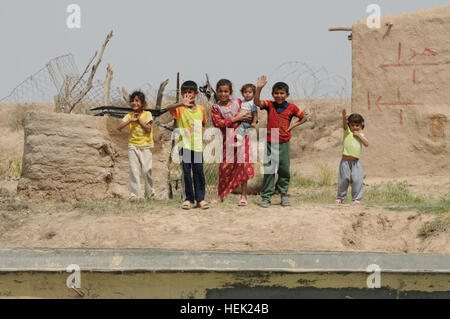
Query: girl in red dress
226	116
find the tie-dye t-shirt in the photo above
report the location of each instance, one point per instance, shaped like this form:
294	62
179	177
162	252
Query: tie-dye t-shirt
190	123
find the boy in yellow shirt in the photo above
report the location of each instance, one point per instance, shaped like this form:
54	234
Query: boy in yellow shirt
139	145
350	169
191	119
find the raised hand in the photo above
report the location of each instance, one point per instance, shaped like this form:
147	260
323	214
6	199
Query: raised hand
344	119
262	81
188	101
243	117
135	117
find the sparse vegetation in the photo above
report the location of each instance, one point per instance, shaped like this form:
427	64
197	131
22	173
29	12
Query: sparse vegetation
318	196
10	168
391	193
383	194
440	209
123	206
299	181
325	177
15	167
433	227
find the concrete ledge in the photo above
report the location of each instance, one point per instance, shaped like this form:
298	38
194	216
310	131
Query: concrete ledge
141	273
133	260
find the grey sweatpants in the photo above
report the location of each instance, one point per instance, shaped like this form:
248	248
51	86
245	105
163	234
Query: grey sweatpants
140	161
350	172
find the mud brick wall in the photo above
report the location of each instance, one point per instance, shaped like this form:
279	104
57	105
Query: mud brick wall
401	85
81	157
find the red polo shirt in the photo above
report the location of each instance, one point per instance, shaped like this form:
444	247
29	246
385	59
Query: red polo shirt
280	116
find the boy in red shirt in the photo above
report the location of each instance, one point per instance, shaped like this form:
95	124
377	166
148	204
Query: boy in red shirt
279	127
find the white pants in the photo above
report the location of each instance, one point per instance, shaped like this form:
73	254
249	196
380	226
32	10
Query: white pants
140	160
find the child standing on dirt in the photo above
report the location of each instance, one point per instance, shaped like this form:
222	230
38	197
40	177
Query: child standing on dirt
280	113
350	169
247	107
191	118
139	145
235	170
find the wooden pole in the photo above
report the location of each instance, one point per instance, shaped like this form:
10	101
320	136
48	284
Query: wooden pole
178	87
125	95
159	97
340	29
107	88
169	162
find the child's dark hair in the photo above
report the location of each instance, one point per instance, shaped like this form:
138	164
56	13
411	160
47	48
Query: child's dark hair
140	95
248	86
224	82
189	85
356	119
280	86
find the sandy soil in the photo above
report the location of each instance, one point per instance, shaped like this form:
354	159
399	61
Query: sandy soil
303	227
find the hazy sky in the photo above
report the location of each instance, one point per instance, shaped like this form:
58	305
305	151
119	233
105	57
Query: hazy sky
235	39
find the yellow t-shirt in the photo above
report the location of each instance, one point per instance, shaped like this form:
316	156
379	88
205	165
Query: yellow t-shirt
352	145
138	136
190	123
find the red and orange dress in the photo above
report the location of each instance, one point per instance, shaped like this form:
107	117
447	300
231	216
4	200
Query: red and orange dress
232	172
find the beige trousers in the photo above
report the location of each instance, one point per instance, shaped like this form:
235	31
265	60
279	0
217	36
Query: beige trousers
140	161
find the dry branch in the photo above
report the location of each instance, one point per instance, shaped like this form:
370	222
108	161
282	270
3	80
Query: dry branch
109	75
82	75
125	94
160	94
178	88
91	76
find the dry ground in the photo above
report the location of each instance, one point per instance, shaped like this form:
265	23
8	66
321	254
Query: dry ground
313	223
306	226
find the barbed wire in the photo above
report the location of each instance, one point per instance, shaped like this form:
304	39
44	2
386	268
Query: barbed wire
59	75
306	82
44	84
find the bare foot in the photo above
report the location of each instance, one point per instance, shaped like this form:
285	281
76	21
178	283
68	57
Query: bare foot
216	201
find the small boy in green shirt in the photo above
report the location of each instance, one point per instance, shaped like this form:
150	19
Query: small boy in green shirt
350	169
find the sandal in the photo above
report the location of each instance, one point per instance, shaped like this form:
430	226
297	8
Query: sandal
243	202
216	201
152	196
203	205
132	197
186	205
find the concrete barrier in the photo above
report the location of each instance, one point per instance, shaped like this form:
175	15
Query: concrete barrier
135	273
